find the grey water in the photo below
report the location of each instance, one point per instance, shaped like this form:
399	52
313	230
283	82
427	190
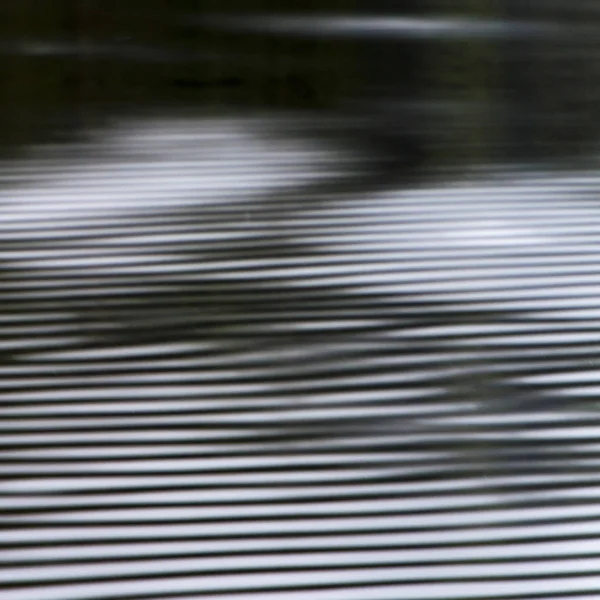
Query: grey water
239	361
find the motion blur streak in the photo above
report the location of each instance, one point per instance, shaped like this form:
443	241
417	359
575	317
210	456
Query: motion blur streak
224	378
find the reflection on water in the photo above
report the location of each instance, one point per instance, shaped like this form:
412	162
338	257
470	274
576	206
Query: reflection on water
226	376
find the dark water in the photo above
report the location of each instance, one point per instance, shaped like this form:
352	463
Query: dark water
238	362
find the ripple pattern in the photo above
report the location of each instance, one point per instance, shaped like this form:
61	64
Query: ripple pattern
223	377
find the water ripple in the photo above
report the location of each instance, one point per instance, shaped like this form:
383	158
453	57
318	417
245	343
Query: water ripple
224	378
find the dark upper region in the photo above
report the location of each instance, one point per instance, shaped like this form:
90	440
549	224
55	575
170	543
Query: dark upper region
193	83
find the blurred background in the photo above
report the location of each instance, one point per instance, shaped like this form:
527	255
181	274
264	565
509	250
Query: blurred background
299	300
473	80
